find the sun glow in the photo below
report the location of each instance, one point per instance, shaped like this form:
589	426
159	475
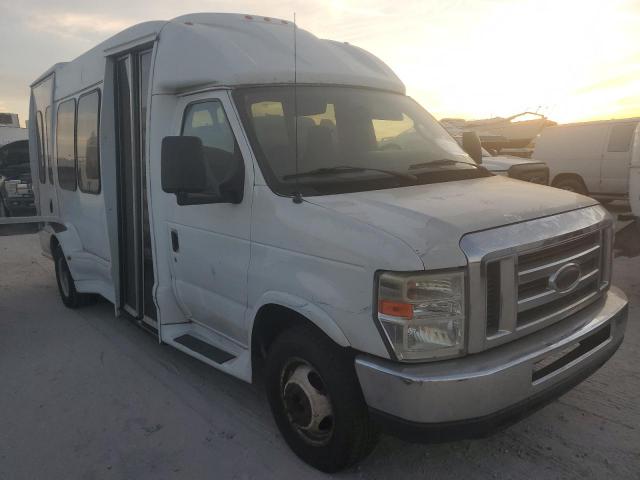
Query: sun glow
570	60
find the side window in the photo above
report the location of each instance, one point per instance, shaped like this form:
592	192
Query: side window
208	121
47	126
87	134
42	168
65	145
620	138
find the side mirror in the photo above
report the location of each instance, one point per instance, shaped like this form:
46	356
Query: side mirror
471	144
182	165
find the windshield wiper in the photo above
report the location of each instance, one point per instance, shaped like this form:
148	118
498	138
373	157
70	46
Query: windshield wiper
442	161
351	169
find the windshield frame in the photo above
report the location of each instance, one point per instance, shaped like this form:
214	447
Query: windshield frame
342	183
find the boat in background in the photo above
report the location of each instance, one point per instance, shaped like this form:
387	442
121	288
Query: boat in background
498	133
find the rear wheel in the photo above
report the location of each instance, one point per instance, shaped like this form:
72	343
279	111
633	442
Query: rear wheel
316	400
66	286
572	185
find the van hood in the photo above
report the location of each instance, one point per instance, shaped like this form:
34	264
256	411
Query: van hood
432	218
502	163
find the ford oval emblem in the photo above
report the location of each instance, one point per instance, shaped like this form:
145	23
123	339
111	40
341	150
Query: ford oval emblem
566	278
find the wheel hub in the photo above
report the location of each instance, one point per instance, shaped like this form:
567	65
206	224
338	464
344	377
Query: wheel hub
307	403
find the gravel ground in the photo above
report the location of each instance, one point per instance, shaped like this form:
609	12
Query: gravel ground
84	395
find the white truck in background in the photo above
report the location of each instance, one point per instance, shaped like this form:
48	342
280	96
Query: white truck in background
591	158
265	221
10	130
634	175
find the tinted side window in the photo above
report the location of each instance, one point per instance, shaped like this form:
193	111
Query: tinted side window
87	134
42	169
65	145
620	138
208	121
49	155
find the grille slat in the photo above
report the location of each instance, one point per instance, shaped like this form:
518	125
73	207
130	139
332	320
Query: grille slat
536	302
549	295
543	271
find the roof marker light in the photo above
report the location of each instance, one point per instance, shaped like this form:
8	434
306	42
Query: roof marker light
267	19
248	17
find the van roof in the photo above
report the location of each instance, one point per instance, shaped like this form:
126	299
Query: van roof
204	50
596	122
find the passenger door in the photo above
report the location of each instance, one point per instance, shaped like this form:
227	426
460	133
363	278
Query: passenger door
615	159
210	242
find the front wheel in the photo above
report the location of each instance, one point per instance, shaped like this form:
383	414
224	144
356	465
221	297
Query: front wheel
316	400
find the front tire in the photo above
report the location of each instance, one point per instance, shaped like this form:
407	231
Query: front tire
316	400
66	286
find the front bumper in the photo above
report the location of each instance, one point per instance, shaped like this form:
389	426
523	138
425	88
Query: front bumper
474	395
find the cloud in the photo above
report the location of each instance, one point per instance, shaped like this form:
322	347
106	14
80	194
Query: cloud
79	25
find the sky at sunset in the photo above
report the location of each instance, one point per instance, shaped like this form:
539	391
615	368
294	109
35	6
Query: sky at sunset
572	60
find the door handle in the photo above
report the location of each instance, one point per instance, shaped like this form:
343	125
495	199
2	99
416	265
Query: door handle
51	206
175	243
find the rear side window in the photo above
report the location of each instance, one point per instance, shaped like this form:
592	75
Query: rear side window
620	138
87	132
42	169
65	145
49	155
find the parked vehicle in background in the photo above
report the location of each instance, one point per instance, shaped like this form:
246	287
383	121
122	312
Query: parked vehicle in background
10	130
590	158
262	220
634	175
516	133
16	194
514	167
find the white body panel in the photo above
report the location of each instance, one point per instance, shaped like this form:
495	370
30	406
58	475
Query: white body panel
317	258
589	150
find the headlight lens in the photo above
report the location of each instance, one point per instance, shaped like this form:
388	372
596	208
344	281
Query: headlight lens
422	315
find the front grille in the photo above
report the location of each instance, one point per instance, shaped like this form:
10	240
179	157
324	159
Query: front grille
533	299
528	275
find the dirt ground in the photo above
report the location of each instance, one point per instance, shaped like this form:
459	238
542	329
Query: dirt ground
84	395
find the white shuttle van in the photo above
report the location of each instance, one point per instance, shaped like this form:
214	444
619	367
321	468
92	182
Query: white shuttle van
591	158
248	213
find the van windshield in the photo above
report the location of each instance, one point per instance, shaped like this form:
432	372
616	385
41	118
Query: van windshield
348	140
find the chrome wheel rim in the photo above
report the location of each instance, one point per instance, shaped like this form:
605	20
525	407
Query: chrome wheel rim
64	276
307	403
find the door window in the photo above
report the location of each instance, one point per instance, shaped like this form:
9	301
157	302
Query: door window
620	138
208	121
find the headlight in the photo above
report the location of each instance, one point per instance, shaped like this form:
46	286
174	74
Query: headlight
422	314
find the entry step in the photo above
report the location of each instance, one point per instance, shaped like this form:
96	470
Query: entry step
205	349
